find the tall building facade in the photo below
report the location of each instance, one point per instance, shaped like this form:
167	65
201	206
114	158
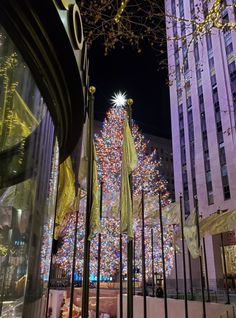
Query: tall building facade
203	113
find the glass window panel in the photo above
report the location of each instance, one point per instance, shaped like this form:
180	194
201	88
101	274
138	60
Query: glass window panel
28	182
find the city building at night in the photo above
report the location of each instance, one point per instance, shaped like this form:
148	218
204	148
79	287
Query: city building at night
41	117
203	114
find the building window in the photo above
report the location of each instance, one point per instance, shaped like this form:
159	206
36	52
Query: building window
181	8
173	8
225	20
205	8
190	116
198	74
178	76
196	52
175	28
191	146
226	192
211	62
182	27
232	71
220	137
203	122
215	95
185	177
209	186
229	48
213	80
191	132
208	176
192	6
204	142
189	102
182	141
183	155
181	121
208	41
224	170
210	198
181	109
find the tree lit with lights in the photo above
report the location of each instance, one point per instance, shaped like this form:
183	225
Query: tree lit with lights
110	249
109	153
146	176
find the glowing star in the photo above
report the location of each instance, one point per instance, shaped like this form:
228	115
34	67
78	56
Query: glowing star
119	99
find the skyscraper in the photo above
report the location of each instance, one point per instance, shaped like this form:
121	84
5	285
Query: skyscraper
202	73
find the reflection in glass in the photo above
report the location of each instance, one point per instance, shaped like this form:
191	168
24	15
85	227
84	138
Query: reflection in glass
28	181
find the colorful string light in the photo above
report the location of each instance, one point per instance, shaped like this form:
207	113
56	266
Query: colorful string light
109	153
110	249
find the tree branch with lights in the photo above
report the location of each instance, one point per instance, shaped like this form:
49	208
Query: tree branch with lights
137	22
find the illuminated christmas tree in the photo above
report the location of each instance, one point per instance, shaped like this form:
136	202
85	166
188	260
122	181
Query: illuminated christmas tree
109	153
110	249
109	144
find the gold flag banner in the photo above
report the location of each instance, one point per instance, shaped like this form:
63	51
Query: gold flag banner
83	165
111	205
95	226
191	235
218	223
21	121
170	213
137	207
129	163
66	193
151	208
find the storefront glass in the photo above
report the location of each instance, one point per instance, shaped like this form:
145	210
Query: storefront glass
28	181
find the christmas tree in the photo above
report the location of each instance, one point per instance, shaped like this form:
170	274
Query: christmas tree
110	249
146	176
109	153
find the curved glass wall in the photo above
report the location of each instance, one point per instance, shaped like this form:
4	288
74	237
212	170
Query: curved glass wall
28	181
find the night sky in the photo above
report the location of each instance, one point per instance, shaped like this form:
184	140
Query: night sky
137	74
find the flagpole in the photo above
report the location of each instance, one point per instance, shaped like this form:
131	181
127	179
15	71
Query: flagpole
163	258
190	275
225	269
153	282
183	254
121	282
77	193
176	274
99	257
85	286
73	266
206	269
200	257
143	261
134	265
130	279
130	241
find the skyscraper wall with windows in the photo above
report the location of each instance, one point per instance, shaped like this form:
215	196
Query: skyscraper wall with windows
202	75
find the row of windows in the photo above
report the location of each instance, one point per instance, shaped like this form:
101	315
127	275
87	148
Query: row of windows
180	106
183	160
207	166
231	64
173	8
232	74
219	130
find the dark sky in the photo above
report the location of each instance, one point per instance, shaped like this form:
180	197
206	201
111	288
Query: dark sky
137	75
